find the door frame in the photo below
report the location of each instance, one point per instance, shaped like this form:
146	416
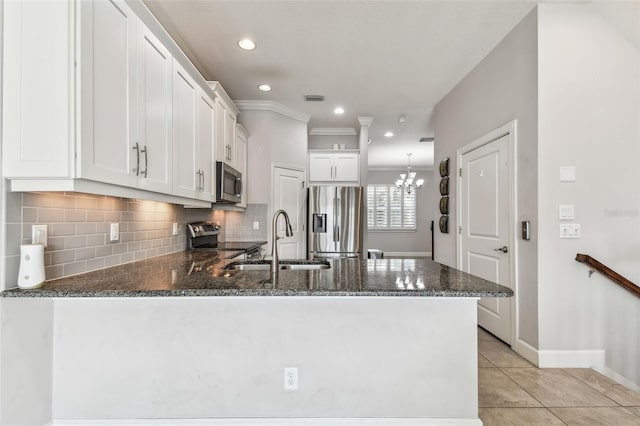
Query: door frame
510	130
272	201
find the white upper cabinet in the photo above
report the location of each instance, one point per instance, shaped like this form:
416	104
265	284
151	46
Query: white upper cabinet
241	151
334	167
154	141
225	125
205	145
109	110
104	118
187	178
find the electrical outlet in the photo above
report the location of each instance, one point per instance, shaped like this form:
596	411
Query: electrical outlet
39	234
256	225
291	378
115	232
175	228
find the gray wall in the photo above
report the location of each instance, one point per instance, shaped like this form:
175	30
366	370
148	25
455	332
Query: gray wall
419	241
502	88
589	100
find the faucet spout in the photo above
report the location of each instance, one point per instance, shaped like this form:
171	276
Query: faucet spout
275	266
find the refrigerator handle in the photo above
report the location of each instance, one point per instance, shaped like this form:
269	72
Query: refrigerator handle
336	220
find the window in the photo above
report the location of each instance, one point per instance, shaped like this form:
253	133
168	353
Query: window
390	208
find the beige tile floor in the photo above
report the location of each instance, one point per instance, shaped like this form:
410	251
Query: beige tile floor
512	391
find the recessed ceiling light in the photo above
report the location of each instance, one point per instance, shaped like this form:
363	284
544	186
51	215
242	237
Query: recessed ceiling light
402	118
388	134
246	44
264	87
338	110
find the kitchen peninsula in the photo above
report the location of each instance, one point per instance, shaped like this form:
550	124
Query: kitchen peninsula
178	337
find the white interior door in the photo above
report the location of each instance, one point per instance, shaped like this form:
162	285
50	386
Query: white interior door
289	195
485	227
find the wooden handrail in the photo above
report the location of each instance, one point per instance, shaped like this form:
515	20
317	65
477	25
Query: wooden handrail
609	273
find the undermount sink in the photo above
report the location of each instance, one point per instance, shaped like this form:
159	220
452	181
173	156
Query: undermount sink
292	265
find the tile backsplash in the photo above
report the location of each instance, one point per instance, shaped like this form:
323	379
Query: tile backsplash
79	229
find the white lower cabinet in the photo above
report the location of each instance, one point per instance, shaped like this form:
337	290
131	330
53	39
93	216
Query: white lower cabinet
325	167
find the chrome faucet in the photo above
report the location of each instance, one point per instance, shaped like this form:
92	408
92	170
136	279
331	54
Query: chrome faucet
274	233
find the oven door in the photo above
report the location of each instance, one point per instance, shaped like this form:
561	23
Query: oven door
228	184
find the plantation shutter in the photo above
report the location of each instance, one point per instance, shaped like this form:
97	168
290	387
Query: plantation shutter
389	207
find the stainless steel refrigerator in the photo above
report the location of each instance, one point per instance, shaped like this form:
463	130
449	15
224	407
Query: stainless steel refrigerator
335	221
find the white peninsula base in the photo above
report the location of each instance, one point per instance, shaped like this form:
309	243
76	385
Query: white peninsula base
392	361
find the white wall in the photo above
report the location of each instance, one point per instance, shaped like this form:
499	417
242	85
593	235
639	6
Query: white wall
419	241
26	350
589	117
502	88
225	357
273	137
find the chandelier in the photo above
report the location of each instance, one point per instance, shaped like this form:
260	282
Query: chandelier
408	180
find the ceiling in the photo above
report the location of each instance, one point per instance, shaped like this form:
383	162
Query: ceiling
374	58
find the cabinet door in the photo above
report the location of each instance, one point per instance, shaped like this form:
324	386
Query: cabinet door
230	136
346	167
320	167
221	150
108	97
185	178
241	164
206	114
154	114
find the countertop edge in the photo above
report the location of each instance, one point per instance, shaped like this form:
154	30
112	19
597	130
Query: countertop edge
18	293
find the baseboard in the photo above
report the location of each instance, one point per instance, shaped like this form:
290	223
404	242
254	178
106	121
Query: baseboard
272	422
527	351
571	359
407	253
618	378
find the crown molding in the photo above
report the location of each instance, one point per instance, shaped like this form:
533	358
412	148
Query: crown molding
365	121
273	107
333	131
219	91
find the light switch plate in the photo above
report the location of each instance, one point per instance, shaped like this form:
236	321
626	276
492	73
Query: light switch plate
256	225
567	211
569	230
174	229
567	174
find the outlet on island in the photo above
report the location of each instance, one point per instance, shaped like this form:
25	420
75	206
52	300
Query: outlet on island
291	378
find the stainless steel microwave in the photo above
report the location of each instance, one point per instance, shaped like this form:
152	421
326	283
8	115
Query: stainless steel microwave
228	184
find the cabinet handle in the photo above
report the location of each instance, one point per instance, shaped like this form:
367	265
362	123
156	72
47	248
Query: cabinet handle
146	161
198	188
137	167
202	176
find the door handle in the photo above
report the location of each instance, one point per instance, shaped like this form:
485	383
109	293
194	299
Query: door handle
503	249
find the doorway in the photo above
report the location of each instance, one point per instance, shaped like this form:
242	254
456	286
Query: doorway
486	218
289	194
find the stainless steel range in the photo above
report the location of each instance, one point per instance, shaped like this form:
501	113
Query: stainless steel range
203	236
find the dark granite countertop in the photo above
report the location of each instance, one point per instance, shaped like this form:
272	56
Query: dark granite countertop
239	245
198	274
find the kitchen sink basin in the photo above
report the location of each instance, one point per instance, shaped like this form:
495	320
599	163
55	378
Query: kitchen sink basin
292	265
